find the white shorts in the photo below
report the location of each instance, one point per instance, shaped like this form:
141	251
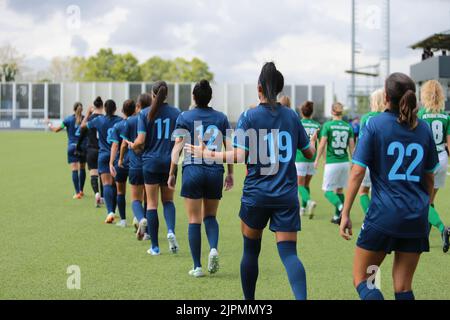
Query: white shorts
367	183
441	173
305	169
335	176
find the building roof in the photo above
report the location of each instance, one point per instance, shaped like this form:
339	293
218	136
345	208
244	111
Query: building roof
438	41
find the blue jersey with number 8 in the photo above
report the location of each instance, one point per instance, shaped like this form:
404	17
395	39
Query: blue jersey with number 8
398	159
158	138
104	126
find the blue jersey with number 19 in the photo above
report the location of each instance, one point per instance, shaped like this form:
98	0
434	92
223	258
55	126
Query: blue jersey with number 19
104	126
271	135
158	141
398	159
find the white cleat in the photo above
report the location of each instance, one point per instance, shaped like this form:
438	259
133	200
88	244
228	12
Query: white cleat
146	237
142	228
98	200
213	261
154	251
122	224
173	244
310	208
135	224
302	212
197	272
110	218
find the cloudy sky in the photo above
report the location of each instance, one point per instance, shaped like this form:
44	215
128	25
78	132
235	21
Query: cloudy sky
309	40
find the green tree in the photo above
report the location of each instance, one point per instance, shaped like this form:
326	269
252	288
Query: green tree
11	62
155	69
362	104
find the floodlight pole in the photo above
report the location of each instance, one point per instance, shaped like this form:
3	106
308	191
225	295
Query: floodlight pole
353	92
388	39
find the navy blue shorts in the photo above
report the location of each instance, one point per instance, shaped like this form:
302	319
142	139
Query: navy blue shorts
136	177
72	158
103	163
281	219
156	178
121	174
373	240
199	182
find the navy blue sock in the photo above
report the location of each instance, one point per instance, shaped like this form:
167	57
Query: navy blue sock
153	226
368	294
169	216
121	204
249	267
114	203
109	197
82	178
405	296
212	231
294	268
138	210
76	181
195	243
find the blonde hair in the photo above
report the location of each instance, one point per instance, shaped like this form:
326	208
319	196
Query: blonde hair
78	111
338	109
432	96
285	101
377	101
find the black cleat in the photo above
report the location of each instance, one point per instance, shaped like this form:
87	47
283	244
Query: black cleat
336	220
445	240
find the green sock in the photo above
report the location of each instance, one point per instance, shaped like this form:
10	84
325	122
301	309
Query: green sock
365	202
305	195
334	200
435	220
342	198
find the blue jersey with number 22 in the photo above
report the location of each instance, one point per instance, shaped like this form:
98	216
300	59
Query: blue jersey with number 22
398	159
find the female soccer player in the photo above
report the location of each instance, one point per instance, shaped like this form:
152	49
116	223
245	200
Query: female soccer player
267	138
285	101
136	176
400	151
92	152
336	136
202	180
119	171
155	127
377	106
433	100
305	167
104	125
76	161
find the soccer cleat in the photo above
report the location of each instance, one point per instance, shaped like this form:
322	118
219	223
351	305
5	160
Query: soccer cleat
146	237
213	261
77	196
173	244
336	220
102	200
98	200
154	251
122	224
81	194
310	208
197	272
302	212
445	240
110	218
142	227
135	224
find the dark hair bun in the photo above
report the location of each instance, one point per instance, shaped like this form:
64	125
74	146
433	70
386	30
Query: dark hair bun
98	102
204	84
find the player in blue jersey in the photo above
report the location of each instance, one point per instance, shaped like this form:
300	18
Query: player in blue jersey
119	171
136	176
202	181
104	125
267	139
401	154
76	160
155	127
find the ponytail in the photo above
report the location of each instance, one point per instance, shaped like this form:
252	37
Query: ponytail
160	91
408	110
78	109
271	81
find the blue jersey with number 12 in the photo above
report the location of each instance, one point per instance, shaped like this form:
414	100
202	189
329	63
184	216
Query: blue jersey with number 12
272	177
104	126
398	159
158	138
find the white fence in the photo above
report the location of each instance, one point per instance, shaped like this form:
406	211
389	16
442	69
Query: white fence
30	103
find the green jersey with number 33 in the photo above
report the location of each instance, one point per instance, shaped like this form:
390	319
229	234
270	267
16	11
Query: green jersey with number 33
338	133
440	127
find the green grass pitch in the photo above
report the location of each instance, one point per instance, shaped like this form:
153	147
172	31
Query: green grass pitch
43	231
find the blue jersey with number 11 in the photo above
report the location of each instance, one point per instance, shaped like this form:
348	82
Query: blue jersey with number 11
398	159
158	138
